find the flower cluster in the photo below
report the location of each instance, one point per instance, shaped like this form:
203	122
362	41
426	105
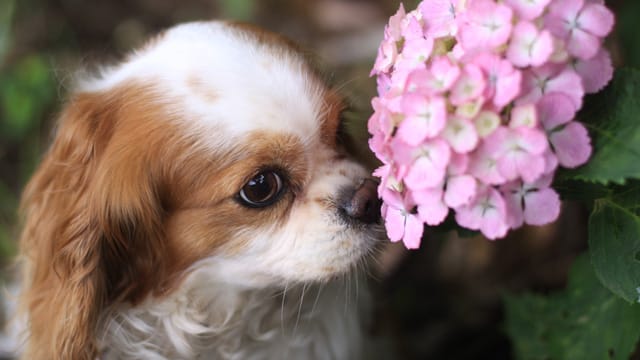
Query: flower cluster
475	110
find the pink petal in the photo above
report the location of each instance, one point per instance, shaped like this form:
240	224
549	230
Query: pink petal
533	140
528	9
595	72
393	30
528	46
569	83
469	86
444	74
523	154
572	145
555	109
460	190
550	161
431	209
426	118
394	223
415	52
523	115
556	24
411	29
424	174
521	164
487	214
461	135
542	48
484	166
413	232
507	88
543	182
417	81
413	130
494	227
503	81
487	25
439	16
582	44
458	164
567	9
513	201
541	207
532	168
596	19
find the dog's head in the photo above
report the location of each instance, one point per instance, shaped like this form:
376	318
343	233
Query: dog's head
215	145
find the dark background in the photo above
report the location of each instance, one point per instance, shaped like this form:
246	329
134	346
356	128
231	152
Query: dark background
440	302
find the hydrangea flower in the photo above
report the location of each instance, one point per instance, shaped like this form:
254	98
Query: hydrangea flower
476	110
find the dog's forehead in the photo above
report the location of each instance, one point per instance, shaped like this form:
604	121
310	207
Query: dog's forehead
222	75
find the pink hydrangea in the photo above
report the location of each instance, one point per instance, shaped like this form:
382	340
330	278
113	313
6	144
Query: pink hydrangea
476	110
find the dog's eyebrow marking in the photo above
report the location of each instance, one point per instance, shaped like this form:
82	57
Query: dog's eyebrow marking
333	106
201	88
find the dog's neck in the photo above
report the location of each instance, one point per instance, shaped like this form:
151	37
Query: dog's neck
223	321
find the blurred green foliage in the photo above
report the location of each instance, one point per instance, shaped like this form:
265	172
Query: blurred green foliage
242	10
586	321
6	14
27	92
627	12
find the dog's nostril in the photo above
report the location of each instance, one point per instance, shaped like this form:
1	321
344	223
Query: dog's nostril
364	205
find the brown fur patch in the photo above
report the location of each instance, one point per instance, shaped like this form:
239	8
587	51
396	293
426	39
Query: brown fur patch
206	216
333	107
123	203
93	217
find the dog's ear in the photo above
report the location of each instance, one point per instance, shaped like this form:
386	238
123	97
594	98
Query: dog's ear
91	229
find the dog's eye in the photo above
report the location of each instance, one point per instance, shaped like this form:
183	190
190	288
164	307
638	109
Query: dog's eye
262	190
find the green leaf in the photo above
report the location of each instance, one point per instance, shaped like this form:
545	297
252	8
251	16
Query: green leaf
614	240
586	321
613	119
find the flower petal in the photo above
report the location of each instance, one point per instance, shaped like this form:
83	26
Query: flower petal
541	207
431	209
596	19
461	135
413	232
555	109
595	72
460	190
394	222
572	145
583	44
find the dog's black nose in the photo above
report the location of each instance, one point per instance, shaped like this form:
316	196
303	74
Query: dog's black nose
362	204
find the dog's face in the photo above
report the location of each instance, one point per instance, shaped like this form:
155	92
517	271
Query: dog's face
263	193
213	147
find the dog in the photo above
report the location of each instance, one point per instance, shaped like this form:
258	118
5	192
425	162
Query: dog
197	203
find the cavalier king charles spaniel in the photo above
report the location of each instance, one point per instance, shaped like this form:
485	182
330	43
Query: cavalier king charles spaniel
197	202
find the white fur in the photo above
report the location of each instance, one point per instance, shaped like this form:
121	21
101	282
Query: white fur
202	322
258	87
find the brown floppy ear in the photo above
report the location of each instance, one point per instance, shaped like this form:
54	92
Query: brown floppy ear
86	211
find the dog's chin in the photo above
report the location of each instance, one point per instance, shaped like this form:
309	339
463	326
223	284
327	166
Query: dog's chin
355	250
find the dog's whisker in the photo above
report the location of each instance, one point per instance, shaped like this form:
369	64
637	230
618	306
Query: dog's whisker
284	295
295	326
